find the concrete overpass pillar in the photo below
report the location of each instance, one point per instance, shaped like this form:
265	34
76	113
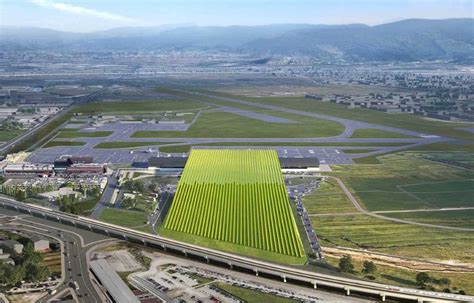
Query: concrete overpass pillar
256	272
315	286
124	236
185	253
90	227
420	300
348	291
284	278
163	246
230	265
144	242
207	259
383	296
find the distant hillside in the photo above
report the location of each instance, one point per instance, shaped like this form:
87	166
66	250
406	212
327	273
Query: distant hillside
405	40
408	40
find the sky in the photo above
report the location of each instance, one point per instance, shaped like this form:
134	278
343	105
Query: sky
96	15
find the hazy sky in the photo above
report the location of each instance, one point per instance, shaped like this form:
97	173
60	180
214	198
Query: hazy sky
91	15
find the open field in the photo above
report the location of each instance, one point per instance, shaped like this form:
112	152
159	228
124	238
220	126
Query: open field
407	278
458	218
405	121
7	135
130	107
376	133
63	143
365	232
408	181
236	197
328	199
76	134
399	187
229	125
122	217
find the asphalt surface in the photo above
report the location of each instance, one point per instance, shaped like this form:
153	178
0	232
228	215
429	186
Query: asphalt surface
105	199
124	131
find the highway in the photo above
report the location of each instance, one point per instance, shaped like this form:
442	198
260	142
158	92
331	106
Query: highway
74	257
235	262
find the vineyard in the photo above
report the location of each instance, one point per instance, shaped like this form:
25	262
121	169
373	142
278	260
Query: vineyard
236	196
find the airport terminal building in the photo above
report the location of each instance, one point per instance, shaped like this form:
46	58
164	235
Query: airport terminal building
288	164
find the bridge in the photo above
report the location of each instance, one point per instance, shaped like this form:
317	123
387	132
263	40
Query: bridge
236	262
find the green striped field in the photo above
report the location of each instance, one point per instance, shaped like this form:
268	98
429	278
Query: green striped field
237	197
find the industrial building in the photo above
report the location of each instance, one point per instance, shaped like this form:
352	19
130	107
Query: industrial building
117	290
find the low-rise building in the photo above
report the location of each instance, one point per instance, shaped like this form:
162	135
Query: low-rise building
60	193
11	247
39	243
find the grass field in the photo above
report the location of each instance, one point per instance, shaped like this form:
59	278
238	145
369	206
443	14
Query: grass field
229	125
126	144
458	218
376	133
404	181
408	180
76	134
7	135
328	199
362	231
122	217
63	143
236	197
405	121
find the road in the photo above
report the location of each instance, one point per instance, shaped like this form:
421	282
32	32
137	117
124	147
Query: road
235	261
356	204
107	195
74	254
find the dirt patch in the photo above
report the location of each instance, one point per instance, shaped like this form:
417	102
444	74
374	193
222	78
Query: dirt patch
406	263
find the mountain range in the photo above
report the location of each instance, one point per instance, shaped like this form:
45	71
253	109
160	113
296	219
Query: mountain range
407	40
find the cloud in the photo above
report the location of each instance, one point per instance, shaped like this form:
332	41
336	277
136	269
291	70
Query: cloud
79	10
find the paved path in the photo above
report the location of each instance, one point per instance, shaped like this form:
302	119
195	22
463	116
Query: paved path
375	215
422	210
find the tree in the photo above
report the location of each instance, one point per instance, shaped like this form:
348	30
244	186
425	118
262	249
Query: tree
128	203
152	186
345	264
423	278
444	281
369	268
